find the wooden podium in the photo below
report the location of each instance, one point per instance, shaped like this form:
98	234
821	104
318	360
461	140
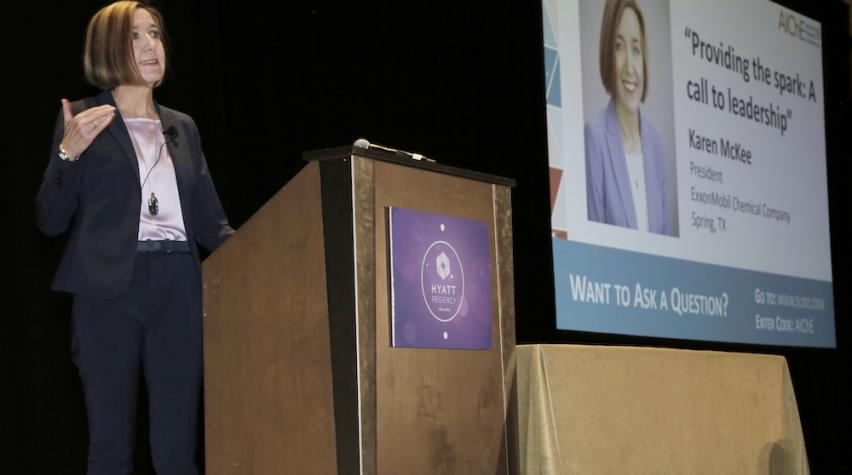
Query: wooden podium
299	372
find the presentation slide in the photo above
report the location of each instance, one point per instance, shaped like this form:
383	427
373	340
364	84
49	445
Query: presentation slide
688	181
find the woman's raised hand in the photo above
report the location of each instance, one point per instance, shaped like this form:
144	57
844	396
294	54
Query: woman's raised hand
81	129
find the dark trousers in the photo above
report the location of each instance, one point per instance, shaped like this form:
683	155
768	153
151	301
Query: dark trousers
155	328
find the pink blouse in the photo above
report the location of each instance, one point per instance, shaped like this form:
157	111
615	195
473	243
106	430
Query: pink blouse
148	141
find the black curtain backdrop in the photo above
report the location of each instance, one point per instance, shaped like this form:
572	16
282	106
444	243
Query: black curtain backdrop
460	81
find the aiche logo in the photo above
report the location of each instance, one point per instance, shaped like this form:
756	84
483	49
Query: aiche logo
799	27
442	281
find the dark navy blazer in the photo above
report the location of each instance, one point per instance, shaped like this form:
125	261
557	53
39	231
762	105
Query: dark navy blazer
99	198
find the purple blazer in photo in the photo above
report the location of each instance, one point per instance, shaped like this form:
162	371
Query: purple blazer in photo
609	197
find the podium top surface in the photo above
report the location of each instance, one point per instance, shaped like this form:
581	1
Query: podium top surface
347	151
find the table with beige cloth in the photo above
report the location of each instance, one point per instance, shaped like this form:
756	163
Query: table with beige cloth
616	410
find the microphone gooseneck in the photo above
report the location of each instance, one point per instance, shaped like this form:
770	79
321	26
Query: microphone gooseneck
366	145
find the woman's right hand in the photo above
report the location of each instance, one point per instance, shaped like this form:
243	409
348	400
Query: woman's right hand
81	129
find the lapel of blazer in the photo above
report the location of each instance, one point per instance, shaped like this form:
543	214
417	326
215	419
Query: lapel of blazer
652	184
619	166
118	131
179	150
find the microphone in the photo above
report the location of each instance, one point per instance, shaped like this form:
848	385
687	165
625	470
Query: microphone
171	134
366	145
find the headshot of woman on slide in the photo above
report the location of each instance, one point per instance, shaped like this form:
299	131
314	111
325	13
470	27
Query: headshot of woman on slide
625	170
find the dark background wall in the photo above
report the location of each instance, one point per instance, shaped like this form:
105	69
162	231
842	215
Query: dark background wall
460	81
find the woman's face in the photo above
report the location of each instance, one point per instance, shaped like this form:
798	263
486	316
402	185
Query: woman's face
629	62
148	51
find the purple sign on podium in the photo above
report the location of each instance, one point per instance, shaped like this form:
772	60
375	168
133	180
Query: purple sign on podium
440	281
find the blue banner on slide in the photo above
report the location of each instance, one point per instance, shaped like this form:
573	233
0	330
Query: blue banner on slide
606	290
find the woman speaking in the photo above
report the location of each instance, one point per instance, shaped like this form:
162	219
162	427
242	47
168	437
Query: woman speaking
625	171
128	177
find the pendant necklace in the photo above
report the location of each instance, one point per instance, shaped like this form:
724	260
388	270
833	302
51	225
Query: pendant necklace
153	205
153	202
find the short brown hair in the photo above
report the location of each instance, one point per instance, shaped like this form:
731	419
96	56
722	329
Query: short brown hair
613	11
108	54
